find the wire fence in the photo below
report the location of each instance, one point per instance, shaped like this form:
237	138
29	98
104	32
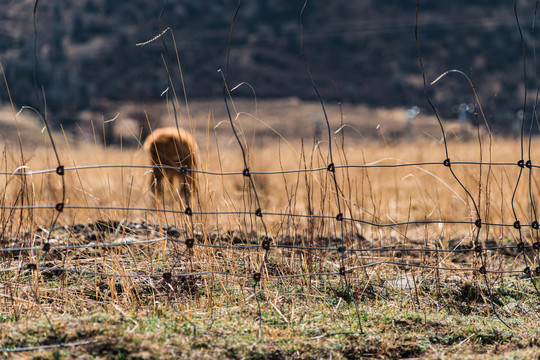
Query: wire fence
259	249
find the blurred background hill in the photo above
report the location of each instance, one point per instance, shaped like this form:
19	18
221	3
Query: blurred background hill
362	52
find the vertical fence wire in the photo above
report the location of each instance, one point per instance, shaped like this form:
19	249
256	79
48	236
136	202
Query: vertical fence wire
331	169
448	164
246	172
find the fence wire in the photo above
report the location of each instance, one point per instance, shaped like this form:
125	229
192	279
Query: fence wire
193	253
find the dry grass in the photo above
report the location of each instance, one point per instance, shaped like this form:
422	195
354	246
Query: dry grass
405	312
382	195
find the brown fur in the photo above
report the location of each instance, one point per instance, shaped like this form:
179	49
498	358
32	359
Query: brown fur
173	147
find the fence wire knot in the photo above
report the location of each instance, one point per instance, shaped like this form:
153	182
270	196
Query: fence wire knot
331	167
482	270
60	170
188	211
517	225
246	172
339	217
521	163
167	277
535	225
257	277
189	243
46	247
478	223
258	212
528	164
59	207
266	243
446	162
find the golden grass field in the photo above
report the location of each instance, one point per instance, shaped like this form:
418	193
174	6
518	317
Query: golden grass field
405	311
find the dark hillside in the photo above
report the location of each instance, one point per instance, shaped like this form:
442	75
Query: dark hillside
360	51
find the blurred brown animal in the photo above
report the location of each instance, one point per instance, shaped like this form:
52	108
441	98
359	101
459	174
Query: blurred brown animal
177	148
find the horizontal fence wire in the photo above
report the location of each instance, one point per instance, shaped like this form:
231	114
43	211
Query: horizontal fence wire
120	243
266	213
25	171
46	347
270	277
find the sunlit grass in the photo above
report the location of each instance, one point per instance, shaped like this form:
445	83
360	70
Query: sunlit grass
437	310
